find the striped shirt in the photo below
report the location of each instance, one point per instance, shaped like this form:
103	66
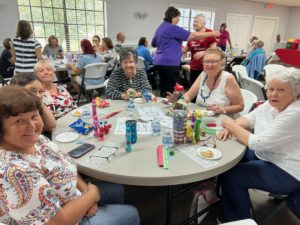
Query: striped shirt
25	54
118	83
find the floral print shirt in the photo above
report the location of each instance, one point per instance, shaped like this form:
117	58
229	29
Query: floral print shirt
61	104
34	187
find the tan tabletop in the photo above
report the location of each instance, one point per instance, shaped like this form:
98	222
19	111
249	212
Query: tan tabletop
139	167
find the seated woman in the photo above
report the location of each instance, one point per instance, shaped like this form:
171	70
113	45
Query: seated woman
40	184
144	52
272	162
257	50
97	44
7	65
53	49
33	84
89	56
127	79
215	88
108	55
56	96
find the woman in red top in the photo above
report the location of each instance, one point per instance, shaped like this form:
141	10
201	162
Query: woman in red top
224	37
198	47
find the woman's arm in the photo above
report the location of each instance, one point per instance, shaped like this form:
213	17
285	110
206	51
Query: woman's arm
74	69
229	41
234	94
13	55
72	212
48	119
237	130
193	91
38	53
198	35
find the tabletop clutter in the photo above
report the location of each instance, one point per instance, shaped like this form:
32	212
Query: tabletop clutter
188	126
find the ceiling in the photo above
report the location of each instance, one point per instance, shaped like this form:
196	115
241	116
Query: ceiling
280	2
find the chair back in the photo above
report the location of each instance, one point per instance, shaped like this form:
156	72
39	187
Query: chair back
141	63
95	71
256	65
239	71
106	82
254	86
249	101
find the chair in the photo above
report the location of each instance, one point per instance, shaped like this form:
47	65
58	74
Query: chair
241	222
239	71
272	68
4	81
93	71
254	86
256	65
106	82
141	63
249	101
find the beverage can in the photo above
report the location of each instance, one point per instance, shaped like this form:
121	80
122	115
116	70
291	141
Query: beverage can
132	125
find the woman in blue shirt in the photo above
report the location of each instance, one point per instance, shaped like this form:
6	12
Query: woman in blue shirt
144	52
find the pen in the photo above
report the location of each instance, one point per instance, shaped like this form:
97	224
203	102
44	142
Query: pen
111	114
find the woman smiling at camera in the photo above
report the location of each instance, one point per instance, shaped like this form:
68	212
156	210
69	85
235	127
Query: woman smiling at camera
39	184
127	79
272	161
215	88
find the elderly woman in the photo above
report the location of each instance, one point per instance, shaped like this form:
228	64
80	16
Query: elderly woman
168	39
272	164
89	56
33	84
26	51
127	79
257	50
40	181
56	97
53	49
215	88
108	54
198	47
143	51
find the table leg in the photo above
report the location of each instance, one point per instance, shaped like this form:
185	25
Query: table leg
169	206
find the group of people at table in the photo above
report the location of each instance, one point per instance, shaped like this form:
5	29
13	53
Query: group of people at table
40	184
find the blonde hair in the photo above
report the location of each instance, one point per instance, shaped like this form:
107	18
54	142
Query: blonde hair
216	51
41	64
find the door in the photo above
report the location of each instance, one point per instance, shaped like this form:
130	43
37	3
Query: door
239	27
265	28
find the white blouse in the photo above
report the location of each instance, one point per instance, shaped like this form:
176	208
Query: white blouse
276	136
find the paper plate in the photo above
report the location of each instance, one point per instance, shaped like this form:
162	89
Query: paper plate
208	112
203	152
139	100
67	137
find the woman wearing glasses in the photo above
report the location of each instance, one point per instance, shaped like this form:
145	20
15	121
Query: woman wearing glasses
272	164
39	184
214	88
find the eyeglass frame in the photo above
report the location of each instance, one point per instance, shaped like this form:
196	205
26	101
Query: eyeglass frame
211	62
207	140
106	157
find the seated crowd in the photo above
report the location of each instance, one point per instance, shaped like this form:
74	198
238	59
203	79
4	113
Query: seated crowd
52	191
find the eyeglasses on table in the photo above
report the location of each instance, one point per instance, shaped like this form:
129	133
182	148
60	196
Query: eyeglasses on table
106	152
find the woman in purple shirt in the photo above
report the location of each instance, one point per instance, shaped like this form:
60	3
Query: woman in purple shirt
224	37
168	39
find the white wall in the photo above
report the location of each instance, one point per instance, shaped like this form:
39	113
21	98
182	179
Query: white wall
293	26
120	15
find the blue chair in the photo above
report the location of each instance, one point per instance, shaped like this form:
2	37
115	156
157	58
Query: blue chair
256	65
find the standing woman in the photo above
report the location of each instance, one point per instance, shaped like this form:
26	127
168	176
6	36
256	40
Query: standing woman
224	37
26	51
198	47
168	39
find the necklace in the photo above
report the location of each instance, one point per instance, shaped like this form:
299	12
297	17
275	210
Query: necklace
215	81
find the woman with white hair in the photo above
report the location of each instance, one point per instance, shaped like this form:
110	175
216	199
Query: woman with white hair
198	47
272	161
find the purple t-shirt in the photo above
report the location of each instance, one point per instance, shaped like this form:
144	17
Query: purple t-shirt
223	38
168	39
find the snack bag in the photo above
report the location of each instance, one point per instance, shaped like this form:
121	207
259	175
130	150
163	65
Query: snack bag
81	127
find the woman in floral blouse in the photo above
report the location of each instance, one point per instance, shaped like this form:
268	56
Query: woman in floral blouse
39	184
57	98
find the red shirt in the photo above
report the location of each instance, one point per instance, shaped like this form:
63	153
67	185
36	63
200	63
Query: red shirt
197	46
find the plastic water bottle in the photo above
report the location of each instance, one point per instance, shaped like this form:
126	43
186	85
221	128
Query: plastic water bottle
155	125
167	139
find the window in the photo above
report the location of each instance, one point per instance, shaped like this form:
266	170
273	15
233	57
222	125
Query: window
187	14
69	20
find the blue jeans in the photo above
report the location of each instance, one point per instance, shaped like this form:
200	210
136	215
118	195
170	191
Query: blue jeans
113	215
256	174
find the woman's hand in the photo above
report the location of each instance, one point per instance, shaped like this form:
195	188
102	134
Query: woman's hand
92	211
131	91
93	189
170	97
217	109
224	135
69	65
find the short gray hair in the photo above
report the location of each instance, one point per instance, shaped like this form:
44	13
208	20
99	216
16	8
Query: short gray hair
286	75
126	52
201	16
